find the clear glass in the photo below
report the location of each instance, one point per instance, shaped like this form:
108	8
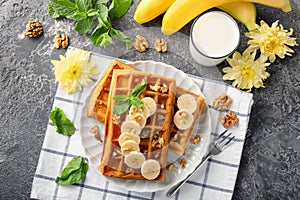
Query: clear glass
214	36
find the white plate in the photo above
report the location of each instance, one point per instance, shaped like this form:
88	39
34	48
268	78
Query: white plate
194	153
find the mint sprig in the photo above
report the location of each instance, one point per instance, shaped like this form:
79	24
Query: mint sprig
86	12
124	102
74	171
63	125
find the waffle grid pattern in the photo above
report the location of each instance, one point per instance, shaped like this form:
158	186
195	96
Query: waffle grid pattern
156	129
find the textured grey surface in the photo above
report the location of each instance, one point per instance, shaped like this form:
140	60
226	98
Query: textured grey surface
270	167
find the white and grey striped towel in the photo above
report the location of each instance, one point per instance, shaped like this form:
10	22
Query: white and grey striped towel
215	181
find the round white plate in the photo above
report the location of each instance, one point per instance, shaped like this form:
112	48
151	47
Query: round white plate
194	153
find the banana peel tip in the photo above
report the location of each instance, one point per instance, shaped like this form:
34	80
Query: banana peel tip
167	31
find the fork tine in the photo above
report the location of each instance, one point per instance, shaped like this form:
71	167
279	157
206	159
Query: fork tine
223	139
229	140
222	134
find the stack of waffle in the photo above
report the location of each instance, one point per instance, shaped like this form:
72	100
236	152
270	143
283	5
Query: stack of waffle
159	133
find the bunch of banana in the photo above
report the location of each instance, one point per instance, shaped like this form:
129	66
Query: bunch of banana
180	12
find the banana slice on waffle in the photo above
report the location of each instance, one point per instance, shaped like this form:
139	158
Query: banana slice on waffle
188	107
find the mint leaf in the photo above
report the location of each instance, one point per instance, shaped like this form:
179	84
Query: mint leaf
63	125
101	38
99	30
119	35
92	12
135	101
52	12
101	1
138	89
78	16
74	171
104	40
83	25
124	102
118	8
72	166
59	8
83	5
121	98
97	3
102	13
121	107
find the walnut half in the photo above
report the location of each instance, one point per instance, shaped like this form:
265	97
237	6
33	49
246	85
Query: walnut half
182	163
229	119
97	136
141	44
170	167
34	29
161	45
61	41
195	139
222	102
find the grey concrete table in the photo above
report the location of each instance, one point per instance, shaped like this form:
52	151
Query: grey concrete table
270	167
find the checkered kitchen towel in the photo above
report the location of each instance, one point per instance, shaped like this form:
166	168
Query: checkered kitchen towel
215	180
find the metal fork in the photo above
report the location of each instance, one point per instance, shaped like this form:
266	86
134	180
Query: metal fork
215	148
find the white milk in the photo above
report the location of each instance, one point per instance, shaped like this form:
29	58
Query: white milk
214	36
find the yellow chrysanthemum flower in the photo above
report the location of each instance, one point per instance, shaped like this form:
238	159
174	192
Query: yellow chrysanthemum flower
73	71
271	41
246	71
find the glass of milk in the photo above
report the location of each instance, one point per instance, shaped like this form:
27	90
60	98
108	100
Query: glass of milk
214	36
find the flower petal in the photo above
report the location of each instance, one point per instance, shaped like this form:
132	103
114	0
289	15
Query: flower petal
73	71
245	71
272	40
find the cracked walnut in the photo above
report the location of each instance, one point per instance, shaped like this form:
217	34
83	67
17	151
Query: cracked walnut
222	102
141	44
34	29
61	41
161	45
229	118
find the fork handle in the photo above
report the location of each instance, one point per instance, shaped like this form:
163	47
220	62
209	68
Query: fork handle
176	187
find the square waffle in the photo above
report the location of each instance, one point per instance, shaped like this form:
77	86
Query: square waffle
180	138
98	103
154	136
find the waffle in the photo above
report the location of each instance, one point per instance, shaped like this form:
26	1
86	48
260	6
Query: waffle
98	103
157	127
180	138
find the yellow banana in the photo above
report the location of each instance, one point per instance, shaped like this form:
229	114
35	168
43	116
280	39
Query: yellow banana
149	9
244	12
183	11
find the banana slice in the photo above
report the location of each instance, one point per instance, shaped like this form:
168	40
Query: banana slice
183	119
150	169
129	146
131	127
143	110
188	102
134	159
150	104
139	118
128	136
